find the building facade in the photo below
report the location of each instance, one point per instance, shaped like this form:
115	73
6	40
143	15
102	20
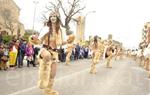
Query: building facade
80	29
9	18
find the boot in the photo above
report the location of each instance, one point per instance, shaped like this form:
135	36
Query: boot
68	59
93	69
108	64
108	61
49	90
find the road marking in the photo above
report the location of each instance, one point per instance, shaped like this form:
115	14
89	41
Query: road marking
22	91
59	79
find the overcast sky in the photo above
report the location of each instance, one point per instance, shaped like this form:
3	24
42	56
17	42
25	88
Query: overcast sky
122	18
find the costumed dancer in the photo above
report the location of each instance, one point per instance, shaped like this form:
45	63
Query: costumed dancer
96	53
148	40
69	48
51	37
147	57
109	54
140	56
120	53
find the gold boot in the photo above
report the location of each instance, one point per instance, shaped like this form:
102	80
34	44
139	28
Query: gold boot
68	58
93	69
149	75
49	90
108	62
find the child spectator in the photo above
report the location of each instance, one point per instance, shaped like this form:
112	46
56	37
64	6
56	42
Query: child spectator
4	58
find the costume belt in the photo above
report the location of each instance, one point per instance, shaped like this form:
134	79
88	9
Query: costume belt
50	49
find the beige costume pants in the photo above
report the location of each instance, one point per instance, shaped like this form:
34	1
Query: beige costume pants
68	57
56	56
45	81
95	60
108	61
147	64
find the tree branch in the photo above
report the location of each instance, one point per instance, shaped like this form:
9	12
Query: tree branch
77	11
68	11
74	19
63	9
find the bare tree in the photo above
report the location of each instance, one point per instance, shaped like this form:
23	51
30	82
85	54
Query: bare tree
69	10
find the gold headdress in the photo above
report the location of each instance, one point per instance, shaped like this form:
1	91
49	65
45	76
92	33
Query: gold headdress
53	14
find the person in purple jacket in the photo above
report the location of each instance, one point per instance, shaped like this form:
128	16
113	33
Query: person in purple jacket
29	54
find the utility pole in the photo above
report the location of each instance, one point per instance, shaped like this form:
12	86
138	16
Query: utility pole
35	5
85	21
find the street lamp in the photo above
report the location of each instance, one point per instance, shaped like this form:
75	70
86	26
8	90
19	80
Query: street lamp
85	20
35	5
90	12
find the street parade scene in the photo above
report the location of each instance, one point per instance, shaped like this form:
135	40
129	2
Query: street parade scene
74	47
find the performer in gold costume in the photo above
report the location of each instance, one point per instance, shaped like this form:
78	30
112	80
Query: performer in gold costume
51	37
97	50
109	53
69	49
147	62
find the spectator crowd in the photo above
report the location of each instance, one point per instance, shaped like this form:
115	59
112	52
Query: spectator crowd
19	53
